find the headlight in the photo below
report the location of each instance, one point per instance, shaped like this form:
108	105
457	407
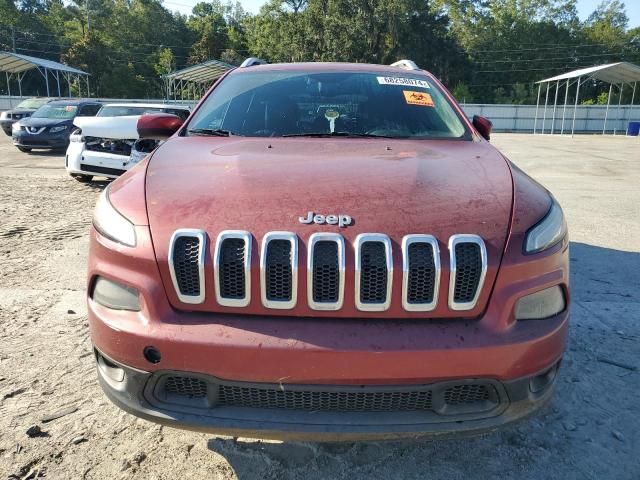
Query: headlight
108	221
543	304
3	115
58	129
549	231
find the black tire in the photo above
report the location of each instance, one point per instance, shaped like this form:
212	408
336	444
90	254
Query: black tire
83	178
24	149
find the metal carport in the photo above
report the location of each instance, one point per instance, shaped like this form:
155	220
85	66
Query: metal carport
15	64
618	74
196	79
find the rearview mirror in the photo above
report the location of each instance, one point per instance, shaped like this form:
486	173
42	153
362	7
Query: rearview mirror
158	126
483	126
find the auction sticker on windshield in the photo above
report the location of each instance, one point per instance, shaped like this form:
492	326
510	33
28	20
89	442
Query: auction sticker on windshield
407	82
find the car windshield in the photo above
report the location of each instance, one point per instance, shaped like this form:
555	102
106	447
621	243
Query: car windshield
32	103
55	111
121	111
294	103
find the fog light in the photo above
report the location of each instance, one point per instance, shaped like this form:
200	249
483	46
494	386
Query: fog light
543	304
116	296
542	381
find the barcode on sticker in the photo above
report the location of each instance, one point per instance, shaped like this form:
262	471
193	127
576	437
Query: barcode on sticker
411	82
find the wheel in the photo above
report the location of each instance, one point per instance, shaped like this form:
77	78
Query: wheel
24	149
83	178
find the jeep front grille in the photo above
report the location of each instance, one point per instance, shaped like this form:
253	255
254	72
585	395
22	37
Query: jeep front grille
374	272
279	270
232	268
326	272
186	263
468	256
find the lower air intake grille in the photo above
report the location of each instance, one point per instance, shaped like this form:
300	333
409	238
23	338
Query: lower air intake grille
468	271
186	265
466	394
232	272
185	387
373	275
422	273
325	400
278	271
326	273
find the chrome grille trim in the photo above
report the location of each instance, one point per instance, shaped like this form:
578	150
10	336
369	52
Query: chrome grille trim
359	241
433	242
453	241
313	240
278	304
202	238
246	237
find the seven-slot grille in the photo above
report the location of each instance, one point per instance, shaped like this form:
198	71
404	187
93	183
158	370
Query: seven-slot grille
326	270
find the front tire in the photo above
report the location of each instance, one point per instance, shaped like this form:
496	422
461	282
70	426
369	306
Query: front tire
82	178
25	149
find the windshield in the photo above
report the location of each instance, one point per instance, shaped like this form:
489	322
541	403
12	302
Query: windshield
121	111
286	103
32	103
55	111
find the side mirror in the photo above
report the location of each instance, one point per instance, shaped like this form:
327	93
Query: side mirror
483	126
158	126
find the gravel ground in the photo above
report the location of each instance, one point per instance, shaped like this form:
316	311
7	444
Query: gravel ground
56	423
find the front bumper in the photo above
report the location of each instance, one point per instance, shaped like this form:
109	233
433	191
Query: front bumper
41	140
288	412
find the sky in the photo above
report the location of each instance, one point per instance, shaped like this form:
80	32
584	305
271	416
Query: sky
585	7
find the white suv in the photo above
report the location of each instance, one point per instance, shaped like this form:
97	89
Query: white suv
107	145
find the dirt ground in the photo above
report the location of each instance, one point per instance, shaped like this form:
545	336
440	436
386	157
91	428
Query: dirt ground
591	429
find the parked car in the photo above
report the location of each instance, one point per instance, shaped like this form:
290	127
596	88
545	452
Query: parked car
50	126
23	110
107	145
327	251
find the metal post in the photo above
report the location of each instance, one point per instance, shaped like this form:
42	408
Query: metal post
535	122
606	113
46	78
86	77
633	97
615	126
564	109
9	89
555	102
575	107
546	101
58	80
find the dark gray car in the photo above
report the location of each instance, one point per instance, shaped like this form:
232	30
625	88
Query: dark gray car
23	110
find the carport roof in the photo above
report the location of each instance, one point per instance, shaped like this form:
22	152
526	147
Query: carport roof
15	63
201	73
621	72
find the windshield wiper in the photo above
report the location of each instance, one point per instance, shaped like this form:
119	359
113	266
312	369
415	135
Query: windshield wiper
337	134
214	132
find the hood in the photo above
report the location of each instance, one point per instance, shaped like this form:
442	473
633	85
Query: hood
21	111
44	122
395	187
116	128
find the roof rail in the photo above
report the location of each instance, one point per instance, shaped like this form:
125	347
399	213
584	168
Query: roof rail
406	64
251	61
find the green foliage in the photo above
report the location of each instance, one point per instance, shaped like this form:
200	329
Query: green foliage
602	98
488	50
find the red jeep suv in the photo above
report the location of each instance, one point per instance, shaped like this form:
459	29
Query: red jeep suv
327	251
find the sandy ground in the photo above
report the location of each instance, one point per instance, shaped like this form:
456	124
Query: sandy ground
591	429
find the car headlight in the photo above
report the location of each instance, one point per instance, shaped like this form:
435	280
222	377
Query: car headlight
548	231
3	115
58	129
110	223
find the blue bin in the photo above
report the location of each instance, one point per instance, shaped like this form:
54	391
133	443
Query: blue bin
633	130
